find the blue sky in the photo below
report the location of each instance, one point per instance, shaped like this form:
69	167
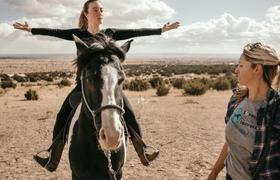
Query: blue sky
207	27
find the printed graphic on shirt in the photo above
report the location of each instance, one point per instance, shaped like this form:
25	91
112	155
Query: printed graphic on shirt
244	121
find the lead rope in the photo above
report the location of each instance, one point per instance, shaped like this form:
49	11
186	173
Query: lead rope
110	166
108	153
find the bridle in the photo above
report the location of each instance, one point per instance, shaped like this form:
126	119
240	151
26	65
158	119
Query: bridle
120	109
101	108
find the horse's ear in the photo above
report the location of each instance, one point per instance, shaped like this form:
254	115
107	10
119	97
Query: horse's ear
81	46
126	45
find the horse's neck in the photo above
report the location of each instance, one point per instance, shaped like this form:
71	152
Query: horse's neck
86	122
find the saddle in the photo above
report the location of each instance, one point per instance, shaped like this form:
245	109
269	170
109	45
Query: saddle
74	100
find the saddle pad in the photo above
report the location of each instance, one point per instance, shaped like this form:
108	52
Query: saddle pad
73	122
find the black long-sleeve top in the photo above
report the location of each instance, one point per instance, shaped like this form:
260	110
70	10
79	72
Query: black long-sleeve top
115	34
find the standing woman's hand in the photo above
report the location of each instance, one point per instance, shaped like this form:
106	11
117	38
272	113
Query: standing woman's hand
212	176
24	27
169	26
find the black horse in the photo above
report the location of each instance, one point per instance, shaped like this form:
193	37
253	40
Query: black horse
98	135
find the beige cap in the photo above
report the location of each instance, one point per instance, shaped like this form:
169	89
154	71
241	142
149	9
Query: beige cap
259	53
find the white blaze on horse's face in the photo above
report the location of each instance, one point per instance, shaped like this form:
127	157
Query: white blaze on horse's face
111	133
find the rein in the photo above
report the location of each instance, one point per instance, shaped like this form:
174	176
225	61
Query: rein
112	172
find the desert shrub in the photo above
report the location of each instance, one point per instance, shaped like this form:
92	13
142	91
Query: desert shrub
8	84
156	81
195	88
232	79
47	78
19	78
4	77
139	85
125	84
64	82
165	73
66	74
174	69
163	90
31	95
32	77
166	81
178	83
221	84
208	83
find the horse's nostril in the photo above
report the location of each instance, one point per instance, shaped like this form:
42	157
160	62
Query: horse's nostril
102	134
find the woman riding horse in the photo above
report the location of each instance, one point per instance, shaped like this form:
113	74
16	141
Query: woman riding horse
98	134
90	23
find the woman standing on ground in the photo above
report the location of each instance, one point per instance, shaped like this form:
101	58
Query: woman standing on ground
252	148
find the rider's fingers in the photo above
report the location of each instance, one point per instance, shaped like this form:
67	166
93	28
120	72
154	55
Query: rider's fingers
175	23
18	24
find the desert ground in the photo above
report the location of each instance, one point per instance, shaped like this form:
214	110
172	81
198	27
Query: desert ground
188	130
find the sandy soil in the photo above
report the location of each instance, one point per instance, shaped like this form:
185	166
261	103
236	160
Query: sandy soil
189	131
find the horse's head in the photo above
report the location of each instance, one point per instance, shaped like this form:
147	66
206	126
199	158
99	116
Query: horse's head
101	79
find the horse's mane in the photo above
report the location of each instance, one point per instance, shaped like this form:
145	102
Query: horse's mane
99	44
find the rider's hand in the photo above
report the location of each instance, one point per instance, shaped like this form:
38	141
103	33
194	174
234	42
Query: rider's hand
24	27
168	26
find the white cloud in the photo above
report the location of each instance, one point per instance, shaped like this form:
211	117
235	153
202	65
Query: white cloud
228	31
6	29
122	13
65	14
225	33
274	14
42	8
127	13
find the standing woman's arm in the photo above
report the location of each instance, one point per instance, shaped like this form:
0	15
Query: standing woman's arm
122	34
219	165
66	34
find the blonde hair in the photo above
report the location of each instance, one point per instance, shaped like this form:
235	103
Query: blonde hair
259	53
83	22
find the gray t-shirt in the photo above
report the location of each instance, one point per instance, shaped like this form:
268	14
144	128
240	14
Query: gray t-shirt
240	137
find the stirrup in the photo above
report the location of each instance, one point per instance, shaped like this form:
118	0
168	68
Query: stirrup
49	157
153	150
